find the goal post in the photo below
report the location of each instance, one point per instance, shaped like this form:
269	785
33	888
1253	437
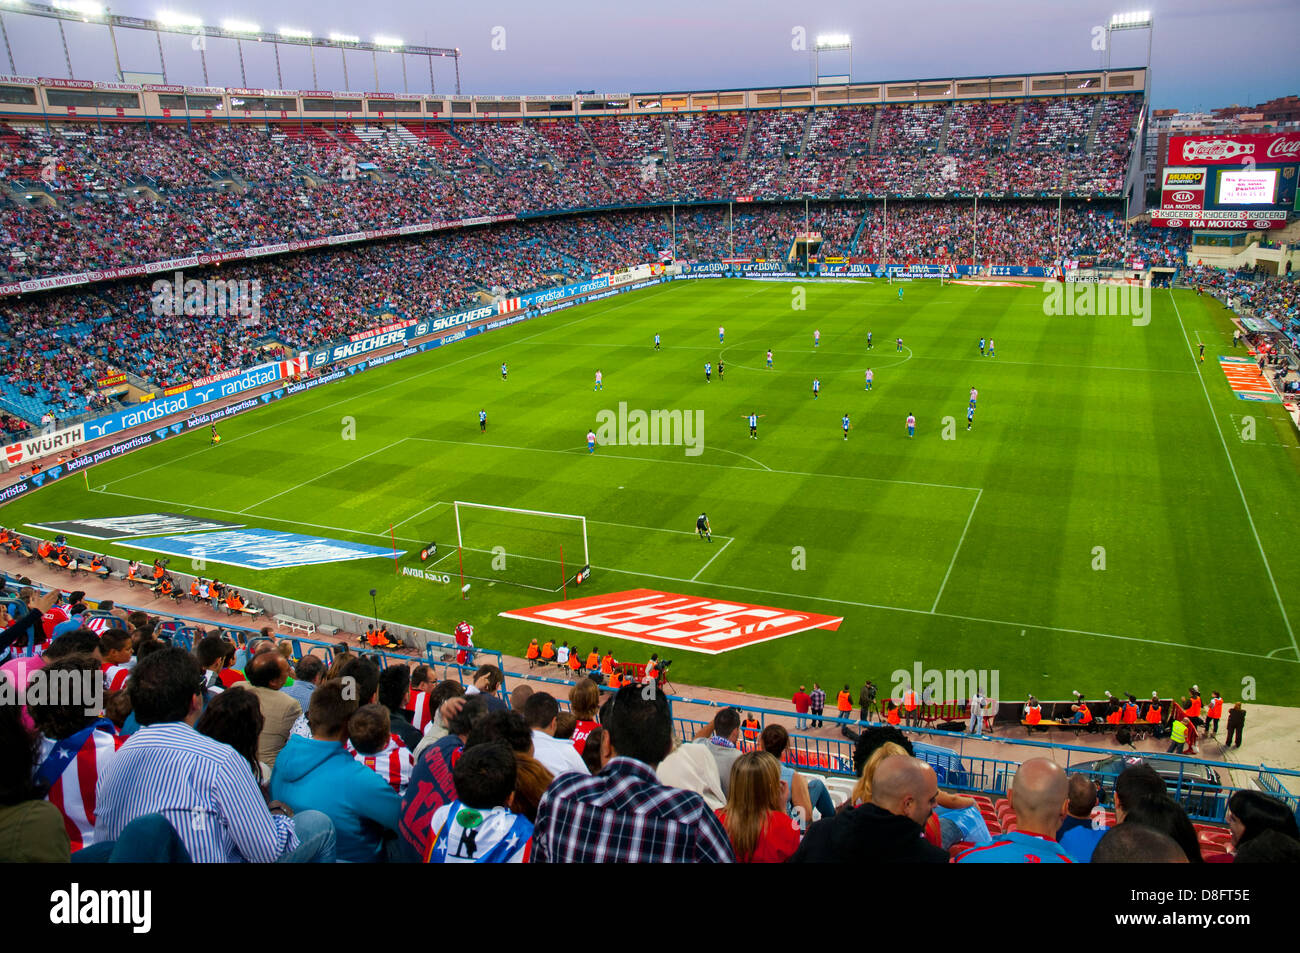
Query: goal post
536	549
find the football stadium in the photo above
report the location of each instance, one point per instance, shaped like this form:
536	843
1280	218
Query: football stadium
719	471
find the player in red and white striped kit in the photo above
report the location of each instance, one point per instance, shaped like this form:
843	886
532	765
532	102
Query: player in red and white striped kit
464	635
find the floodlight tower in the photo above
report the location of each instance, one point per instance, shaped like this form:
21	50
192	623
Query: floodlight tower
832	43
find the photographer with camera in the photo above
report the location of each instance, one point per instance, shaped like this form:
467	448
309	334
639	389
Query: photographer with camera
866	700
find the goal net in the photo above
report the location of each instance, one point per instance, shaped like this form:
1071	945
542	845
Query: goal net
529	548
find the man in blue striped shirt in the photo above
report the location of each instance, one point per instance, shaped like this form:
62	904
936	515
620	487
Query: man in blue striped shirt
202	787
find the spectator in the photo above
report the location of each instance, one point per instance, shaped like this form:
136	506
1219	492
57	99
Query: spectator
1134	783
1039	796
479	827
622	814
75	748
1076	835
307	674
1236	725
317	772
432	784
522	692
442	693
394	689
487	682
799	802
722	744
266	675
887	829
235	719
216	655
1162	813
32	830
559	757
584	702
1129	843
1269	847
801	701
372	744
1250	813
531	777
591	757
202	787
817	704
692	768
760	830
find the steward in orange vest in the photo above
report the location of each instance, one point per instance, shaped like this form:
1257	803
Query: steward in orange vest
891	713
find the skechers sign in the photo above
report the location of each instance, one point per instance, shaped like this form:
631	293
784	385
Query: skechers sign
261	548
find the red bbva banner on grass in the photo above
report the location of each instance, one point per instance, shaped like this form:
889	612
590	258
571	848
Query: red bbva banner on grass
668	620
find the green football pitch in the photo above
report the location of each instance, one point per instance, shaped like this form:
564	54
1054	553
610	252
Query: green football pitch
1116	518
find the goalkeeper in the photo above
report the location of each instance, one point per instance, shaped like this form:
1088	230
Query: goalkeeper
702	527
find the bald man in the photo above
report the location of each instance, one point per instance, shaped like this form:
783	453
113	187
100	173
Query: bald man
1039	795
1076	833
889	828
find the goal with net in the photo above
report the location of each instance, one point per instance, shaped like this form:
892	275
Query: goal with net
530	548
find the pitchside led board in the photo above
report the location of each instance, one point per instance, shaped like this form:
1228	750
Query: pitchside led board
1229	182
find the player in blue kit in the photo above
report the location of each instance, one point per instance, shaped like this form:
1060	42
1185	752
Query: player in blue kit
656	341
869	344
844	422
504	370
817	386
753	426
482	421
970	416
708	372
981	347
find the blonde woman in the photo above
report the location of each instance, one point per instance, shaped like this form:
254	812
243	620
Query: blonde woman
754	816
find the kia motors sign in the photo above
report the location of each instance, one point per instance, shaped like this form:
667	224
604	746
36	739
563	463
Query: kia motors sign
1240	221
1183	189
1232	149
670	621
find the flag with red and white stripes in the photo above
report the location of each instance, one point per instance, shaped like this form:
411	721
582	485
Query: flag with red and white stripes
70	770
393	764
507	305
421	715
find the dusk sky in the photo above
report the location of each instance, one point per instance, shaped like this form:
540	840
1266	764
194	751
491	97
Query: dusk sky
1205	54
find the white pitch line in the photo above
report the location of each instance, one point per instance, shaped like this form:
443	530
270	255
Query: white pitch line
421	513
957	551
720	466
344	466
710	562
1237	480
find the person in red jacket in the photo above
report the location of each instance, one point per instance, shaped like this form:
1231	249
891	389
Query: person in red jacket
801	702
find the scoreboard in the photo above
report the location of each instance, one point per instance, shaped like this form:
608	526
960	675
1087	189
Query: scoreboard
1229	182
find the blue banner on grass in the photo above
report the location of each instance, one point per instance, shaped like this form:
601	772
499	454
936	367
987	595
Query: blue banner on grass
261	548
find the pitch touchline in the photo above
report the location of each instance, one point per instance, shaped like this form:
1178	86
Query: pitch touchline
1078	367
720	466
1237	480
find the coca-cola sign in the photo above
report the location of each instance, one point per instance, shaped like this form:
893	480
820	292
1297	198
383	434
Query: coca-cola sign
1234	149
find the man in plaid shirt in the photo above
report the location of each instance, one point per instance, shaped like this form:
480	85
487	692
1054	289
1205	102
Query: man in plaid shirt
818	705
623	814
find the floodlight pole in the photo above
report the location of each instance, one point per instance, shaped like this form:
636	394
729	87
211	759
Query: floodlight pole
243	77
112	37
8	48
63	36
161	60
279	79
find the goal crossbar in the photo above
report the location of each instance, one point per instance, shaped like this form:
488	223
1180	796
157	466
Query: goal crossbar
581	520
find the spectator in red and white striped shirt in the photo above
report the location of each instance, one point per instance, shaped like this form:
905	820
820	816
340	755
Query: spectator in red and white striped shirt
371	743
115	647
75	747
